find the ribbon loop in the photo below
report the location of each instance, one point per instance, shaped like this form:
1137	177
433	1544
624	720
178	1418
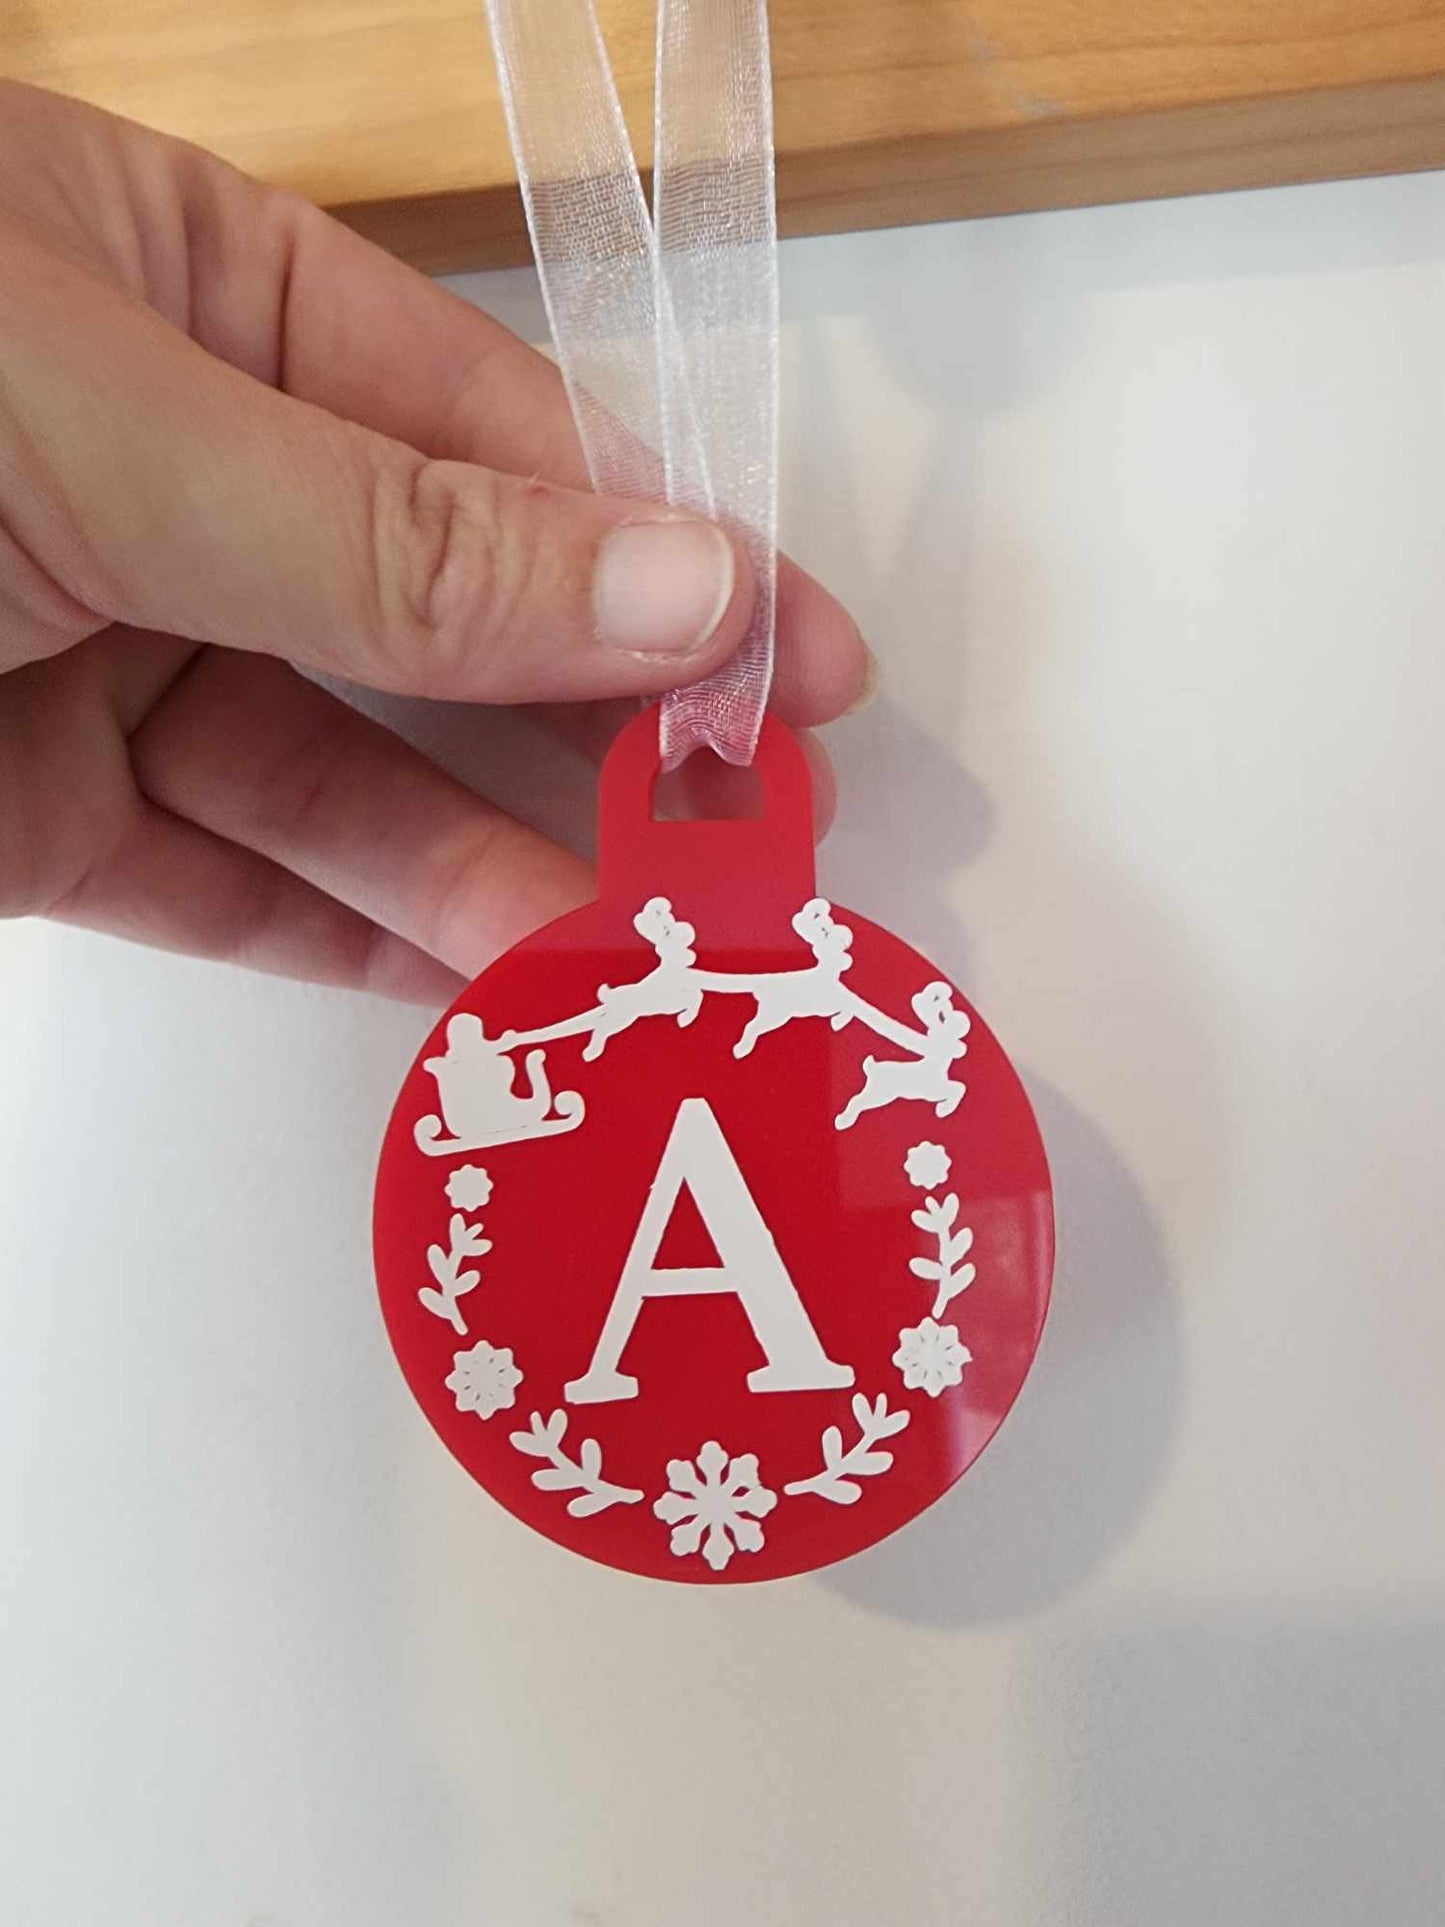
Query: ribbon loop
666	329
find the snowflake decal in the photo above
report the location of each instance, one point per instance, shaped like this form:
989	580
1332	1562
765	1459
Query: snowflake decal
930	1357
720	1498
468	1188
927	1166
484	1380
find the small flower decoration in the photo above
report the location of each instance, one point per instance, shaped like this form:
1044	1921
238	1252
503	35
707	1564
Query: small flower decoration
468	1188
927	1166
930	1357
484	1380
717	1497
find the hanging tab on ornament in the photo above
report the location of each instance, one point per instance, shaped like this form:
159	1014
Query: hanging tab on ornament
666	329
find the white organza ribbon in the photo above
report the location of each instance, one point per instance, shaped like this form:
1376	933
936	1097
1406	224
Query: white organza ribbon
666	330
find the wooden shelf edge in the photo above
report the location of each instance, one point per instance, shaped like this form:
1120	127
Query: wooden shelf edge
1326	134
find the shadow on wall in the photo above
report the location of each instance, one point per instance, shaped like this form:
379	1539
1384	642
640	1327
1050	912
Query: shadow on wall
1061	1487
1072	254
1074	1462
1263	1773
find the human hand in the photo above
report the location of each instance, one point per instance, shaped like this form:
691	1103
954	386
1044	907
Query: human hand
233	437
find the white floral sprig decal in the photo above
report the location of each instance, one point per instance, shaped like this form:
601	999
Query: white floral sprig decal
841	1470
927	1167
485	1379
452	1283
715	1505
931	1358
582	1475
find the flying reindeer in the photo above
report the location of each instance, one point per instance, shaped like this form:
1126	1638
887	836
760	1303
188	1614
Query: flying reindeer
922	1075
815	992
673	989
676	988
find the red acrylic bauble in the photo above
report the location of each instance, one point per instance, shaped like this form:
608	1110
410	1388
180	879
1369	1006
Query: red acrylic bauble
713	1227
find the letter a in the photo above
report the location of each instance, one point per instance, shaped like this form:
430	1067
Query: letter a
697	1155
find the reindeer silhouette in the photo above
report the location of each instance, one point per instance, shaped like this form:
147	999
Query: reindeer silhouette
814	992
670	990
924	1075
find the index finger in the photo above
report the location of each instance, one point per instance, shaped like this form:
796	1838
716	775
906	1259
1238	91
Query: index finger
291	295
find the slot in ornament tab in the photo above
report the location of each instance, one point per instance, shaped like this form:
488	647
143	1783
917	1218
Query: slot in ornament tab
713	1227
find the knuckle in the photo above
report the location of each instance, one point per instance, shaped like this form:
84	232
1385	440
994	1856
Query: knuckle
301	788
451	567
66	804
457	892
239	929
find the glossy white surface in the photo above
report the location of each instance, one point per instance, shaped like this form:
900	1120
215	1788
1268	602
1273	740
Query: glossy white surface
1142	509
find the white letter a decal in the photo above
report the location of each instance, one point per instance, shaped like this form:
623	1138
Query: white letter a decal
698	1155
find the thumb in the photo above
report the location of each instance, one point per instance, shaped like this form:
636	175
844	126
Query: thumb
179	493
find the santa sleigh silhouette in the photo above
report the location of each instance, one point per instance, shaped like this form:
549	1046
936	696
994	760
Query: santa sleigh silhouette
476	1077
480	1106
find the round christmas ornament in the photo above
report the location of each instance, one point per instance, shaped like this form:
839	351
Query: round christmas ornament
713	1227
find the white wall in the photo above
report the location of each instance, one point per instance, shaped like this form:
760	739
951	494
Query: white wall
1142	509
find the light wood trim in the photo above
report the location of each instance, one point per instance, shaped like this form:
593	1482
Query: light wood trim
889	111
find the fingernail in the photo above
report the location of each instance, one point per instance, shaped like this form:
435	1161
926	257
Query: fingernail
662	588
871	673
